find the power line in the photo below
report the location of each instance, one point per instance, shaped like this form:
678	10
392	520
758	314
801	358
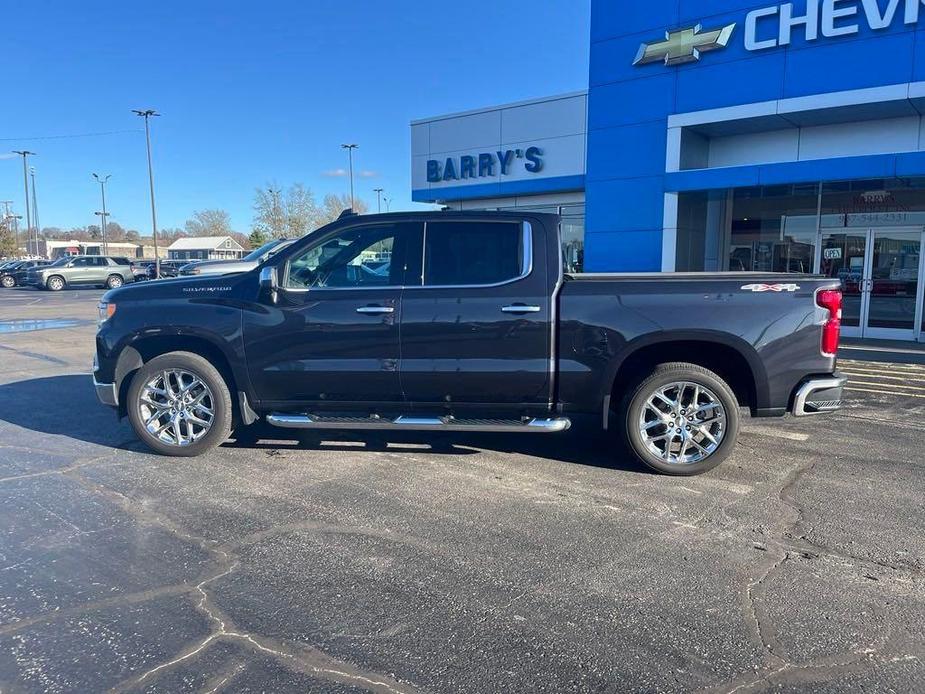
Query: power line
69	137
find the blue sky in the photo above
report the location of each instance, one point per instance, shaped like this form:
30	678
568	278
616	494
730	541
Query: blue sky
257	92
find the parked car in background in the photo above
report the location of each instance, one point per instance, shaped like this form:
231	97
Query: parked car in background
169	268
16	274
82	270
466	321
226	267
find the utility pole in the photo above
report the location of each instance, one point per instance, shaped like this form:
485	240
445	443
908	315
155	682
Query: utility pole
350	148
147	114
35	209
378	192
102	181
24	153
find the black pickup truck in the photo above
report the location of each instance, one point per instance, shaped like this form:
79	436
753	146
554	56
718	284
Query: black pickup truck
445	321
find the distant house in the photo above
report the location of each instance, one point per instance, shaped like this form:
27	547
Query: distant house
205	248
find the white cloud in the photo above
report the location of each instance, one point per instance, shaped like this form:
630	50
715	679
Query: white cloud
368	174
334	173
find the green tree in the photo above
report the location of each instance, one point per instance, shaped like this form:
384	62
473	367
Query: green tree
257	238
8	246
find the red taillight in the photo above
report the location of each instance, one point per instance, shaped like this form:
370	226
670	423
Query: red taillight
830	300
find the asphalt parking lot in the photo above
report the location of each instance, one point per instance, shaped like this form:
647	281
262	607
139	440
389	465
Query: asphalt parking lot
343	563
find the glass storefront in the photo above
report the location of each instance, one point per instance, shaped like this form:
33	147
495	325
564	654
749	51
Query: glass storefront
573	230
866	233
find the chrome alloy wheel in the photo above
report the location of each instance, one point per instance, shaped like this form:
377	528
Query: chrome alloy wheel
177	407
682	423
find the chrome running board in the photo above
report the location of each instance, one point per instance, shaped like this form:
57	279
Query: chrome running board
409	423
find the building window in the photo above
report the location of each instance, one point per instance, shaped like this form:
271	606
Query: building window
774	228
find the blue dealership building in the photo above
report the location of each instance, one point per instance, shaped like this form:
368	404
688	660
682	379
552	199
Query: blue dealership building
721	135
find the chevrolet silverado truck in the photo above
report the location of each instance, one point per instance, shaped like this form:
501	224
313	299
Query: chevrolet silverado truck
466	321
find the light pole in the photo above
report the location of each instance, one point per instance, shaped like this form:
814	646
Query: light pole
35	208
350	148
24	153
388	204
146	114
102	215
378	192
102	181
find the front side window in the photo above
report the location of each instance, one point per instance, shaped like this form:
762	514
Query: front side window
473	253
355	258
82	262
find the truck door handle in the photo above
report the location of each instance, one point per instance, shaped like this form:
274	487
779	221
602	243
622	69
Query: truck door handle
520	308
375	310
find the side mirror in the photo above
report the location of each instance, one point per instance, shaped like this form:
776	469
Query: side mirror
269	285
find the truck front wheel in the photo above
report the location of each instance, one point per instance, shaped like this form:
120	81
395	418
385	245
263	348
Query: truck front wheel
682	419
179	405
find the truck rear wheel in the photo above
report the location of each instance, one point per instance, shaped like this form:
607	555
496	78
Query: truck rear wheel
682	419
179	405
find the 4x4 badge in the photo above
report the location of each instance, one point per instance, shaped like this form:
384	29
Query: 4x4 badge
771	287
684	45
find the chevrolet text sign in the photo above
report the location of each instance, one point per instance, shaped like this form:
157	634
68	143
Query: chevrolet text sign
771	27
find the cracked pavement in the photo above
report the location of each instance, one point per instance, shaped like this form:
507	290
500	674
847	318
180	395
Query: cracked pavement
445	563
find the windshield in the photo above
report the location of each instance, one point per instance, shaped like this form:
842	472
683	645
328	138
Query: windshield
258	252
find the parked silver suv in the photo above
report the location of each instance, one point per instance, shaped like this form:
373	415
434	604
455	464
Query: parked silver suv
82	270
245	264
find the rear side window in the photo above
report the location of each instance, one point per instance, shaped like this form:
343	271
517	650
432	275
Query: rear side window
473	253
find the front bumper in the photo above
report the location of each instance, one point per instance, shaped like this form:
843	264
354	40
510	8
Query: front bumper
819	395
106	393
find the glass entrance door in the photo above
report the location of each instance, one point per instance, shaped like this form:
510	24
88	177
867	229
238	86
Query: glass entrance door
880	271
892	283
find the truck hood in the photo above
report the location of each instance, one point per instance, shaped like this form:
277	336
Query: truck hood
178	287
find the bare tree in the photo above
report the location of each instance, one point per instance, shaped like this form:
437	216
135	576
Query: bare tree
209	223
269	212
301	211
334	205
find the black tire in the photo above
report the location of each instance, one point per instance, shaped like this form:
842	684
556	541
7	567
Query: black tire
55	283
114	281
8	281
220	400
633	412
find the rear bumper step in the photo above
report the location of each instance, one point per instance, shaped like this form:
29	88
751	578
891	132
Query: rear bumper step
408	423
819	395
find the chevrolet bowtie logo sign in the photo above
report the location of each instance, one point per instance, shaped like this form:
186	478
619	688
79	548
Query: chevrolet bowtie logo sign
684	45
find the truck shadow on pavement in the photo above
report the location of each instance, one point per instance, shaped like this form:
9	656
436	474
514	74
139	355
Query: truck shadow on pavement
67	406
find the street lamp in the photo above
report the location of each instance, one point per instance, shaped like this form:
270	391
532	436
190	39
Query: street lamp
378	192
102	181
350	148
24	153
388	204
147	114
103	215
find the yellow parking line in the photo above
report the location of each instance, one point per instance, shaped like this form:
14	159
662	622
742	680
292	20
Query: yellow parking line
885	385
872	374
885	392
